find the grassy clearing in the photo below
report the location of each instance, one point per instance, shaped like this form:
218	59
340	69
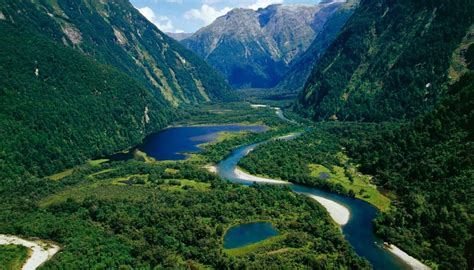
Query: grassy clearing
97	162
101	172
13	256
360	184
120	181
106	192
61	175
253	247
171	185
68	172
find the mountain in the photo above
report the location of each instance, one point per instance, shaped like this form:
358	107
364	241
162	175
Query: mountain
296	76
409	66
386	66
179	36
115	33
428	163
255	48
82	79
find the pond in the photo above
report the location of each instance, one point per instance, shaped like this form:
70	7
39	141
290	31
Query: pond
173	143
249	233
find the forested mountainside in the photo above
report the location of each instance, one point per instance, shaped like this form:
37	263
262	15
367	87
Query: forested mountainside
255	48
429	163
115	33
85	78
390	61
59	107
408	60
295	78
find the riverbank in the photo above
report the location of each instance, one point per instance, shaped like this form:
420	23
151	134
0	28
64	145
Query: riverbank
245	176
40	251
402	255
339	213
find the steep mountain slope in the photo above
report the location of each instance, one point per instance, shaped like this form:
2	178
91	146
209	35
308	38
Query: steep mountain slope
115	33
255	48
387	66
429	163
59	107
296	76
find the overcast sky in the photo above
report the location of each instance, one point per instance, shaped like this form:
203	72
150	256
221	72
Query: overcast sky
190	15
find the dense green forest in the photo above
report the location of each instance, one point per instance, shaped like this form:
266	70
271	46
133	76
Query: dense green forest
58	107
115	33
168	215
429	164
12	257
424	167
389	62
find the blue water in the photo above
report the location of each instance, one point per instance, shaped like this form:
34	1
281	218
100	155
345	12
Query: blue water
170	144
358	231
173	143
249	233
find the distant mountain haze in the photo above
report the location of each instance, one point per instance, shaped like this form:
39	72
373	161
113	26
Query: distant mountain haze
179	36
254	49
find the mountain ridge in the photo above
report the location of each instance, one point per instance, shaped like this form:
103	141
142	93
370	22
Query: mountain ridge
255	48
115	33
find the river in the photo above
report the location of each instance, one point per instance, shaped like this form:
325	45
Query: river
358	230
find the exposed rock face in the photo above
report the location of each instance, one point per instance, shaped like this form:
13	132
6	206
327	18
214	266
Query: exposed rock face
255	48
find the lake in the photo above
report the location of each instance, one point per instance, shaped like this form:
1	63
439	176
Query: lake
249	233
173	143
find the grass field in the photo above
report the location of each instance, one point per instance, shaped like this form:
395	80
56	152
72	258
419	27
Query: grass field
107	192
360	184
13	257
253	247
185	185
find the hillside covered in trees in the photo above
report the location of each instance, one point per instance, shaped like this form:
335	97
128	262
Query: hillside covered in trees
115	33
390	61
81	79
59	107
416	68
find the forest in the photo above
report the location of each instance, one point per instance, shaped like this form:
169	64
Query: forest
423	166
384	66
59	108
168	215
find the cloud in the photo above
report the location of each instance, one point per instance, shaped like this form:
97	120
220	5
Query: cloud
264	3
210	2
206	13
162	22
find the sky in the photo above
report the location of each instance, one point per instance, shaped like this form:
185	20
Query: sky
190	15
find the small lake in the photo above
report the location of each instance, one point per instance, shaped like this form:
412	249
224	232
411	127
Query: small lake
173	143
248	233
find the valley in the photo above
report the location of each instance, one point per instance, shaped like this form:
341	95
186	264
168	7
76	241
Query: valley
149	134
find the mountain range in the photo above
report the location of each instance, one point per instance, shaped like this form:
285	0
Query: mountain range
254	49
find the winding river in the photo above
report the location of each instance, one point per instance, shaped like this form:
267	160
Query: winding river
358	229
